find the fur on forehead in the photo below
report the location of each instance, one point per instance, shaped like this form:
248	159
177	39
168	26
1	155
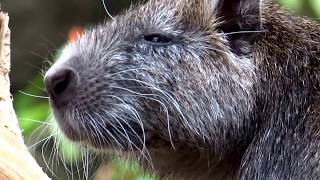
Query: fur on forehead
189	12
203	12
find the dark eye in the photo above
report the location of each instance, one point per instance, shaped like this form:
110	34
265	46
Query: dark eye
157	38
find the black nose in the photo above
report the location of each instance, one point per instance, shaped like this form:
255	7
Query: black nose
61	84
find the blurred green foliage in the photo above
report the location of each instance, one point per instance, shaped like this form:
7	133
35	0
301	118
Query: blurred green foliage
128	171
32	111
305	7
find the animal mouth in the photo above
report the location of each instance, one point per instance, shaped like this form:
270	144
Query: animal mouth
101	133
68	128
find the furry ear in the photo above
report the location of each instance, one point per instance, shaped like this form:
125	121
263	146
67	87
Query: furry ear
240	21
242	13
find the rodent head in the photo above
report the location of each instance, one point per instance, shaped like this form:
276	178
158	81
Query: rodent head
168	72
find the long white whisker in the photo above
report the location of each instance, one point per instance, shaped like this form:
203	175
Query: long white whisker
243	32
168	98
140	150
118	143
44	139
148	157
37	121
145	96
54	151
95	130
42	153
124	71
42	97
124	135
106	9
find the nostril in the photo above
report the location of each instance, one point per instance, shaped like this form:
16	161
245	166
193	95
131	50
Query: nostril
61	84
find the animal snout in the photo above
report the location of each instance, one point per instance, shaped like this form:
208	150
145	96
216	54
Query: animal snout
61	84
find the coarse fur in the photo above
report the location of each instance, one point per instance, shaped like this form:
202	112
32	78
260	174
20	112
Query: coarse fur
234	94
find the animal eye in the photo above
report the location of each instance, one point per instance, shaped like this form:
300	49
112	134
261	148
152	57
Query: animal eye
157	38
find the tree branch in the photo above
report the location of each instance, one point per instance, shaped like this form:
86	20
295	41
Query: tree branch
15	160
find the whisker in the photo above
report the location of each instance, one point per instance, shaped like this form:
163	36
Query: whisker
53	151
31	95
37	121
61	157
140	150
93	120
124	71
34	66
97	133
144	95
53	155
148	159
243	32
37	86
106	9
87	165
33	145
126	135
167	98
49	42
43	156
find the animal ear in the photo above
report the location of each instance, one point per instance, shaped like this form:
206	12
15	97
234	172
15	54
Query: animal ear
240	21
242	13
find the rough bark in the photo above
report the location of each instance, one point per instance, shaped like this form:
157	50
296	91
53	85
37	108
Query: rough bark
15	160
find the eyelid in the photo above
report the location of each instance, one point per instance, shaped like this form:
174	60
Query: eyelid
169	39
159	37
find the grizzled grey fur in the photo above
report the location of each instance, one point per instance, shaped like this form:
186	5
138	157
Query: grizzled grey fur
232	93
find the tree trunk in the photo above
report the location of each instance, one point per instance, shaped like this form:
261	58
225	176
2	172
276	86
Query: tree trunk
15	160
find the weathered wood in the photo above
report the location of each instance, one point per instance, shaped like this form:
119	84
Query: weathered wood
15	160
